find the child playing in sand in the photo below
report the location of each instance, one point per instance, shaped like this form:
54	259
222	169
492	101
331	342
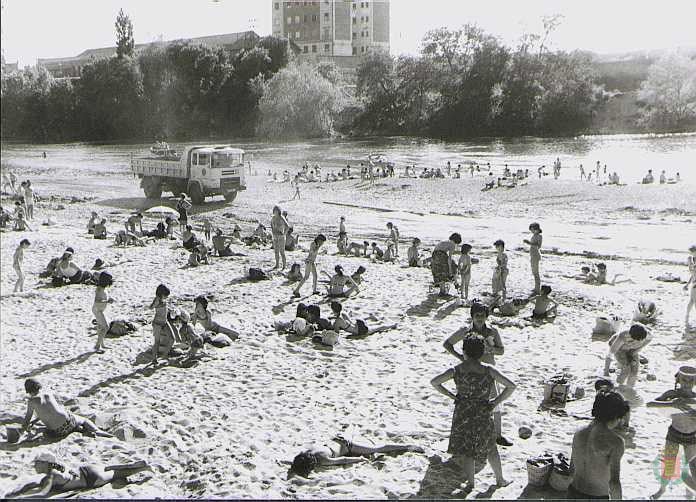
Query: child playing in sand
544	307
295	273
162	331
600	276
357	249
17	261
93	219
342	243
534	244
311	267
390	253
358	328
202	314
394	237
413	253
99	229
357	275
500	273
625	348
21	223
376	253
464	267
691	284
101	301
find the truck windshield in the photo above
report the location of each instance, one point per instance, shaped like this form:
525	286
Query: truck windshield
223	159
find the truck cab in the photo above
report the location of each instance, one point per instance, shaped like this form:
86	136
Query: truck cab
217	170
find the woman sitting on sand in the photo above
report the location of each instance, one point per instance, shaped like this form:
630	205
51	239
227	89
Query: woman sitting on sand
442	265
473	438
682	430
295	273
189	238
66	270
58	479
338	283
202	314
92	222
357	328
99	229
340	451
291	240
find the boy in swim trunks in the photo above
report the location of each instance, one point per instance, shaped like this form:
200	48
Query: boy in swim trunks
544	307
58	421
625	348
17	261
413	253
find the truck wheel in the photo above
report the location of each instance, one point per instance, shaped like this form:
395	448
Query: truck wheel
152	187
230	196
196	194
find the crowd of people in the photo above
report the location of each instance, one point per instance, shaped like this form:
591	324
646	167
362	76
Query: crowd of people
477	430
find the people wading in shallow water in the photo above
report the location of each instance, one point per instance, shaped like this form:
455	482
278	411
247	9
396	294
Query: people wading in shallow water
473	436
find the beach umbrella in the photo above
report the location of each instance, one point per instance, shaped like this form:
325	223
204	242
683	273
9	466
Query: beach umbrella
161	212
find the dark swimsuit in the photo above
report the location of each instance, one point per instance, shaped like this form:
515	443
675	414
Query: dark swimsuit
89	475
679	437
574	493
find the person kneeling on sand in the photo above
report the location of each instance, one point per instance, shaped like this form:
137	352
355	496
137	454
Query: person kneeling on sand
682	430
595	460
58	421
625	347
340	451
202	314
58	479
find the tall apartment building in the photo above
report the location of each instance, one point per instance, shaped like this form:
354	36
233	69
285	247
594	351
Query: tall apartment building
343	31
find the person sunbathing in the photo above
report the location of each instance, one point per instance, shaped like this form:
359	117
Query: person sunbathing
59	479
202	314
358	328
221	244
544	307
125	238
340	451
338	283
599	277
59	422
67	270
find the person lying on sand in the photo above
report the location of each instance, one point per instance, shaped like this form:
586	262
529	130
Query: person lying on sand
599	276
59	479
59	422
595	460
625	348
202	314
544	307
357	328
340	451
681	432
338	283
125	238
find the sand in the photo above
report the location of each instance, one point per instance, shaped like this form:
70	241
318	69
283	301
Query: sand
229	426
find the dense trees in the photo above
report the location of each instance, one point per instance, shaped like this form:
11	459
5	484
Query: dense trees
124	35
669	93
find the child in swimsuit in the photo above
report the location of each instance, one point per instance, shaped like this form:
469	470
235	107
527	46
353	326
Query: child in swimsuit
464	267
500	273
311	267
295	273
625	348
92	221
207	229
544	307
535	253
202	314
390	253
17	261
413	253
338	283
101	301
162	331
394	237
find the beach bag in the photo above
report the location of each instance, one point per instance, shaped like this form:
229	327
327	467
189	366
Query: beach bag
539	470
219	341
560	478
120	328
556	389
606	325
256	274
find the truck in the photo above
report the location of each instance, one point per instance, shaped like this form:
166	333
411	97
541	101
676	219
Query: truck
200	172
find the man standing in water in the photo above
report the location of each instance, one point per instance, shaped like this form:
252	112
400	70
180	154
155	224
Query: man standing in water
595	460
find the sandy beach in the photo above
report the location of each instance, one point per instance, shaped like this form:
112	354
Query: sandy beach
229	426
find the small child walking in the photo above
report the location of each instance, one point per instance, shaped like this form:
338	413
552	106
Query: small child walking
464	271
500	273
162	332
17	262
296	182
207	228
394	237
101	301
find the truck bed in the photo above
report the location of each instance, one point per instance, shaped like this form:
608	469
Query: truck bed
158	167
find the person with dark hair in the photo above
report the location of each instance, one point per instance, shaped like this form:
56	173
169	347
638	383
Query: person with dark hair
681	431
101	301
221	244
189	238
182	206
357	275
625	348
202	314
99	229
338	283
311	266
340	451
534	243
162	330
68	270
500	273
58	421
442	265
59	479
464	268
595	460
133	221
493	346
279	230
17	261
295	273
544	307
473	437
357	328
413	254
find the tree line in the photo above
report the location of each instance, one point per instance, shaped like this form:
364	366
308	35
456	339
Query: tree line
464	83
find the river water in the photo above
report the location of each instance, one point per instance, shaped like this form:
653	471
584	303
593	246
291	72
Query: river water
629	155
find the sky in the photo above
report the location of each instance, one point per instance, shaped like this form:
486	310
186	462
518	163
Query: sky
60	28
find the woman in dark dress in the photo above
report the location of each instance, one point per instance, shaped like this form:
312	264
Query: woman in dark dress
472	438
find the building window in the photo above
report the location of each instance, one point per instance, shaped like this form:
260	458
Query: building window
355	21
314	18
355	51
297	19
326	16
355	5
355	35
297	34
367	19
367	4
314	48
306	18
362	49
277	6
289	19
305	49
327	47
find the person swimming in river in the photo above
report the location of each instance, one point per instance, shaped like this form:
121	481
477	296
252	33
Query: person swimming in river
341	451
59	479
